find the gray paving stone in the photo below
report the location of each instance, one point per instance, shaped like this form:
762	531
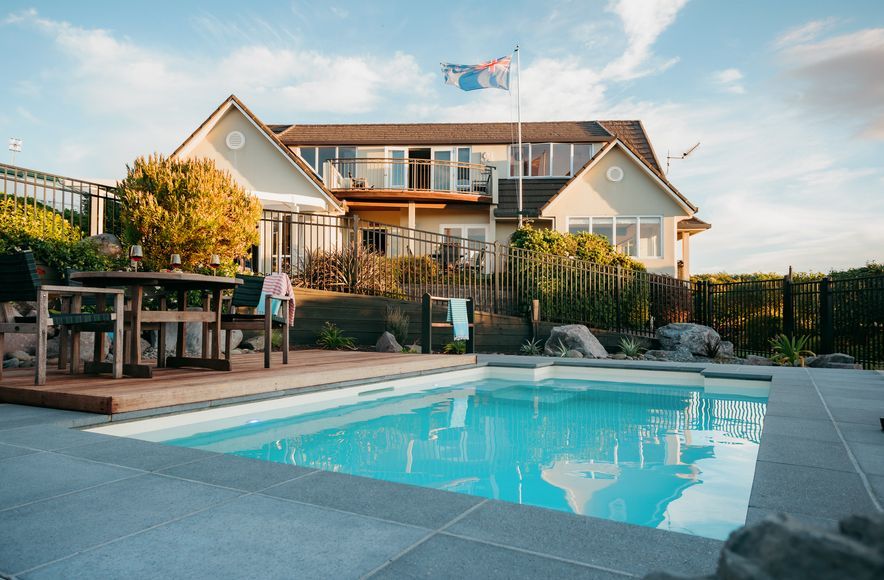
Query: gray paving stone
815	429
50	437
14	451
877	483
755	515
804	411
445	557
853	402
794	397
409	504
801	451
137	454
15	416
869	456
797	489
868	415
237	472
40	475
862	433
273	539
58	527
598	542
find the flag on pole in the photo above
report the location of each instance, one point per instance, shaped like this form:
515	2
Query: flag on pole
494	74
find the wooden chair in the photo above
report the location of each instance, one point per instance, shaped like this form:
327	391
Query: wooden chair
248	295
21	283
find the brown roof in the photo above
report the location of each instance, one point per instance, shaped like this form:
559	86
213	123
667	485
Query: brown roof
633	134
693	224
443	133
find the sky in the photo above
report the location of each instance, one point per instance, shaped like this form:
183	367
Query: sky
786	98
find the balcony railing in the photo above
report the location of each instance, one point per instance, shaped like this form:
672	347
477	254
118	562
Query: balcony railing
407	175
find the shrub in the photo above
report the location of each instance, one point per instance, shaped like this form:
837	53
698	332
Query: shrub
532	347
396	322
790	351
583	246
347	270
455	347
331	337
630	347
53	240
711	346
415	269
187	207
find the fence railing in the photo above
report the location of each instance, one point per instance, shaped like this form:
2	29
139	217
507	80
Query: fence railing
92	208
365	175
346	254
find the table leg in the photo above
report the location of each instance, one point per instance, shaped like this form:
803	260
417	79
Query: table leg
205	326
98	352
182	339
76	307
216	330
63	337
135	352
161	338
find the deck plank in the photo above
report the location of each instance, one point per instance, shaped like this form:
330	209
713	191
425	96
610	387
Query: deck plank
170	387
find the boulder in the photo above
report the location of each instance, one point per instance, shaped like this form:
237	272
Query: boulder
693	337
619	356
21	355
107	244
680	354
387	343
574	337
726	349
759	361
573	354
254	343
866	529
11	363
830	361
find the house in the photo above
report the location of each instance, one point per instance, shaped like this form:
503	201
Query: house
461	179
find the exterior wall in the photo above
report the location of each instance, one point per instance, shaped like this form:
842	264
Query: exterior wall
637	194
258	165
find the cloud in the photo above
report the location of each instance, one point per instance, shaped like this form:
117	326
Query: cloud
729	80
643	22
804	33
840	78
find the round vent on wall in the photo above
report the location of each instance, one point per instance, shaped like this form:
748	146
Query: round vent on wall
235	140
614	173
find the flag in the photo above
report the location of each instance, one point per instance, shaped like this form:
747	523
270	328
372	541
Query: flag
494	74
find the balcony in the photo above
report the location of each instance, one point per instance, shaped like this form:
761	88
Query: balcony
391	179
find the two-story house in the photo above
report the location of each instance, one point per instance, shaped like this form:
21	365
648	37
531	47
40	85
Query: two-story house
461	179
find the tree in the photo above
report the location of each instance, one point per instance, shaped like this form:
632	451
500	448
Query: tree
187	207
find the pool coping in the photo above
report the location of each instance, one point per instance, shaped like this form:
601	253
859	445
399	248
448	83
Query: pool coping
819	459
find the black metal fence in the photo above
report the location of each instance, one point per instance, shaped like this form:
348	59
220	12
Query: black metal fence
837	314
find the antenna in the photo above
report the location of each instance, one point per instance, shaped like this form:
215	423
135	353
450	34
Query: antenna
684	155
15	147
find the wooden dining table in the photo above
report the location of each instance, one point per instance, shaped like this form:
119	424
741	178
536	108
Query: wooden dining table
136	318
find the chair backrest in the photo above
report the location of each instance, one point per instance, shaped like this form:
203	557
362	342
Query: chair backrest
19	275
247	294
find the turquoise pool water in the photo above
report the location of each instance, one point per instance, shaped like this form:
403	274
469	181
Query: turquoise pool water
666	457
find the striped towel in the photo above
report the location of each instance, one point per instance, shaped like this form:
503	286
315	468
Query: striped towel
457	316
278	285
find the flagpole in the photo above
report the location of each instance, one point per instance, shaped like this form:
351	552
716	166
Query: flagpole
519	120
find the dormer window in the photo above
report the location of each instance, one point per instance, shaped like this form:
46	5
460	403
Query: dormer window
550	159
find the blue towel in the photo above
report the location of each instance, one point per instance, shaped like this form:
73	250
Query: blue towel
457	316
274	305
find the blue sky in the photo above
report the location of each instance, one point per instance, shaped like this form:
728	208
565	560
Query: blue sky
787	97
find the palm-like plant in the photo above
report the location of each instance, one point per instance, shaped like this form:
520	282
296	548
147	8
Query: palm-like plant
630	347
331	337
532	347
790	350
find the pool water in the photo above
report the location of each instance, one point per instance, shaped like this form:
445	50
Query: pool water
670	457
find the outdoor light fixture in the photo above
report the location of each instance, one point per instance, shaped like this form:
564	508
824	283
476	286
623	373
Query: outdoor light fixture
136	254
15	147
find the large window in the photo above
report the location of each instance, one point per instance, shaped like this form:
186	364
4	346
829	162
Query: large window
550	159
317	156
636	236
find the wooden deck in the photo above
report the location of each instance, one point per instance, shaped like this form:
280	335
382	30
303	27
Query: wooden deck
169	387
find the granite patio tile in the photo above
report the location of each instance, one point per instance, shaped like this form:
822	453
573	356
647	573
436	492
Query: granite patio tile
801	451
50	437
815	429
14	451
869	456
237	472
137	454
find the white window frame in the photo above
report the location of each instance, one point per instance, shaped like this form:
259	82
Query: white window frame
486	227
511	146
658	218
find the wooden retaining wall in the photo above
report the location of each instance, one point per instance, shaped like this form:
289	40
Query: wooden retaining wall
362	317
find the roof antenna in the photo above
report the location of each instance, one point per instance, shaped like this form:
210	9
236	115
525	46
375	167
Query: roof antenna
684	155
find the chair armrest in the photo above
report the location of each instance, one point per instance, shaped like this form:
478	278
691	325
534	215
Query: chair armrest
80	290
277	297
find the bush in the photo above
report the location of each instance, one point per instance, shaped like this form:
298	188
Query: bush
347	270
53	240
415	269
396	323
331	337
187	207
583	246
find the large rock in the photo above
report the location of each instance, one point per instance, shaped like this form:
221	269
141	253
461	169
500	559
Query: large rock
574	337
107	244
387	343
828	361
254	343
759	361
193	336
693	337
87	346
680	354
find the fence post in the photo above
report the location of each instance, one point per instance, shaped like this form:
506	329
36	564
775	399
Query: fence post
788	307
495	280
707	303
355	234
426	325
535	318
471	320
617	297
827	313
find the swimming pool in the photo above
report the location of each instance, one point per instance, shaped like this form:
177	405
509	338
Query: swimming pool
675	451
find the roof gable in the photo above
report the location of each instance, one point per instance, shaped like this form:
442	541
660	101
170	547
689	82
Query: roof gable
232	102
